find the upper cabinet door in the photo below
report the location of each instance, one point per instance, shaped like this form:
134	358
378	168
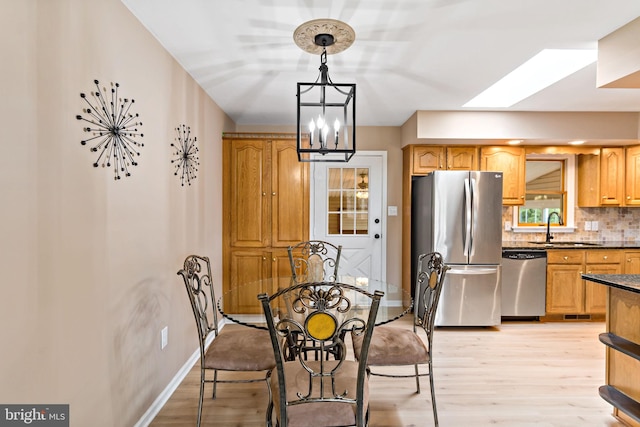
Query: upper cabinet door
511	161
427	158
249	189
632	185
611	176
462	158
289	195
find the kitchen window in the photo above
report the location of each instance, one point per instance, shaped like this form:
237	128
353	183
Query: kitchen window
545	192
550	187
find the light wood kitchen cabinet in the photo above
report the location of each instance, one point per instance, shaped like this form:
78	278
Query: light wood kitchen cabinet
511	161
631	262
265	209
565	290
567	293
462	158
632	176
600	262
427	158
601	178
251	265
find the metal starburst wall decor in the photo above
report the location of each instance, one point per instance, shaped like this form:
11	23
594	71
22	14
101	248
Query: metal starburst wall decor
113	129
186	155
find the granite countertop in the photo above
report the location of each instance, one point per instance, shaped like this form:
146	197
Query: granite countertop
627	282
557	244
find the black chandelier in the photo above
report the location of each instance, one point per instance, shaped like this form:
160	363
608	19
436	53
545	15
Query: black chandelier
326	123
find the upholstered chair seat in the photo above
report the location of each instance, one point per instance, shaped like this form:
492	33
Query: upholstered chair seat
246	349
391	346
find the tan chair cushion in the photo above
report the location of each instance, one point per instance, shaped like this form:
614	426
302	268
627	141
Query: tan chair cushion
319	413
246	349
393	347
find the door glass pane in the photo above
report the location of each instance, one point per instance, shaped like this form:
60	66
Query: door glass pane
348	201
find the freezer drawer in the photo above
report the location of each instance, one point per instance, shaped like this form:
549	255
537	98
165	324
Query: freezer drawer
470	296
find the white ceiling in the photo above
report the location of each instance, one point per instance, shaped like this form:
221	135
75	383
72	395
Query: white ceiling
408	54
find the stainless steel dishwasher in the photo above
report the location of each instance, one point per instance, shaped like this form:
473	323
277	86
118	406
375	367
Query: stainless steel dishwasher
524	283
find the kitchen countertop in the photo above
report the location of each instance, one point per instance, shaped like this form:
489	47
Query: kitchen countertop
627	282
587	245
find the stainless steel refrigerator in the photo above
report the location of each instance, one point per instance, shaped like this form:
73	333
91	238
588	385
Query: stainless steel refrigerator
459	214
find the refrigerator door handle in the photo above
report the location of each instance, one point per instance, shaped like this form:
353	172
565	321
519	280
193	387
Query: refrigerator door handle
473	271
472	215
467	217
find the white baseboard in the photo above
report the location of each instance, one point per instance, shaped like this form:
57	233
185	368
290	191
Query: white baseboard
162	399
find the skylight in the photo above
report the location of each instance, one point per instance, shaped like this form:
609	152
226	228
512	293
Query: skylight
539	72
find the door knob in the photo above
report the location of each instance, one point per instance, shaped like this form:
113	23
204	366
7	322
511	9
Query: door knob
377	236
377	221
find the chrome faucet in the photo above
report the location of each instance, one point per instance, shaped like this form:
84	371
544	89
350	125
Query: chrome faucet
549	236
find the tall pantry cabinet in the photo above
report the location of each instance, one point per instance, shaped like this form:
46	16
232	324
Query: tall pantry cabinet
265	210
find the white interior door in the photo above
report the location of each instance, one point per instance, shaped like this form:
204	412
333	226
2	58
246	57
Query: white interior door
347	209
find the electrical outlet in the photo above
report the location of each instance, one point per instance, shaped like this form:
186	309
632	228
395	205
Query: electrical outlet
587	226
164	337
507	225
594	225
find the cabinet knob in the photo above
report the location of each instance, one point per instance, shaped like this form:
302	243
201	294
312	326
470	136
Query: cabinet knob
604	197
522	197
264	258
264	194
605	257
628	197
274	260
565	258
273	194
628	259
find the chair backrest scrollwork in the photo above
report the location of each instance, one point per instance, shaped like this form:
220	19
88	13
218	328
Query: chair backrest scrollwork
314	261
429	282
198	282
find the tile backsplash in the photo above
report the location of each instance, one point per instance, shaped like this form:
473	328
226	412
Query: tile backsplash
614	225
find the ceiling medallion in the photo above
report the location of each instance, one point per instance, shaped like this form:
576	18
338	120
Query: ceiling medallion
305	36
113	128
186	155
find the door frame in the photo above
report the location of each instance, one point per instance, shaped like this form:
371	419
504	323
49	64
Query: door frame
383	201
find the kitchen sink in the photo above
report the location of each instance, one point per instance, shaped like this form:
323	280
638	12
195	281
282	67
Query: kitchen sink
576	244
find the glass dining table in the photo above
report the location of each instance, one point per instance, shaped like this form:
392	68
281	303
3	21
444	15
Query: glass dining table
394	304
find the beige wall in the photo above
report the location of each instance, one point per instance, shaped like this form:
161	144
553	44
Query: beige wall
89	264
374	138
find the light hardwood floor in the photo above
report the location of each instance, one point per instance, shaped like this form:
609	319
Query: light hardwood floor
520	374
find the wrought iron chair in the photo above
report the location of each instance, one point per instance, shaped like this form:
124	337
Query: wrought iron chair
240	350
319	392
394	346
314	261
